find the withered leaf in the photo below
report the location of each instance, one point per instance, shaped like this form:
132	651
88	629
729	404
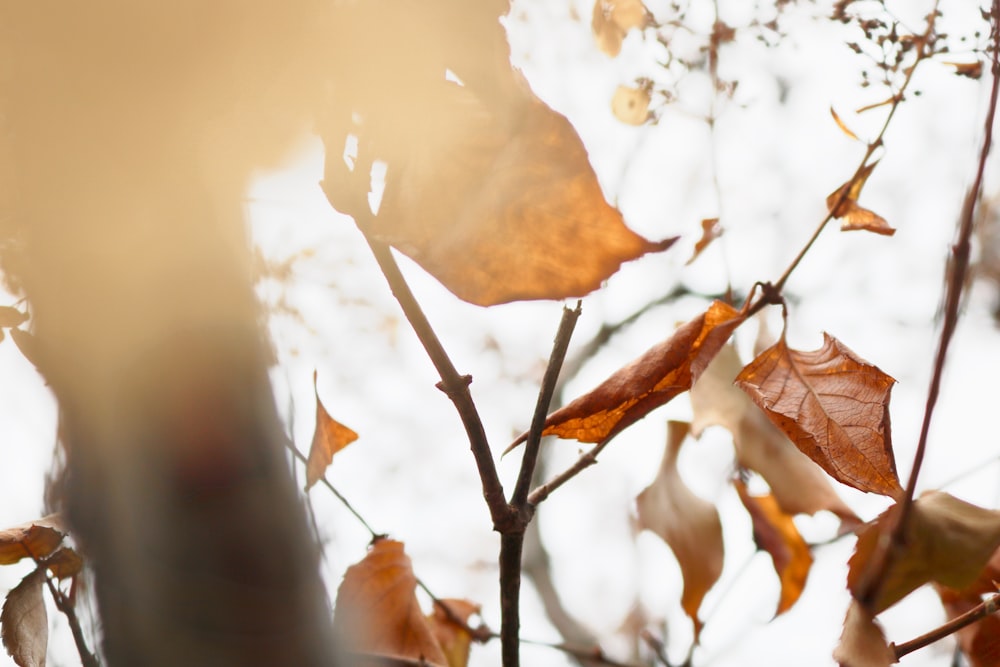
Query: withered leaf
631	105
843	127
36	539
329	438
863	643
24	623
688	524
453	637
612	19
377	610
632	392
775	532
65	562
852	216
505	206
833	405
798	484
11	317
980	642
947	541
710	230
972	70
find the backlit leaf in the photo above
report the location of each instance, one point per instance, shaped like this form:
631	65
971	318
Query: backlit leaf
710	230
775	532
688	524
947	541
632	392
631	105
65	562
329	438
377	610
833	405
612	19
852	216
980	642
863	643
798	484
453	637
36	539
24	624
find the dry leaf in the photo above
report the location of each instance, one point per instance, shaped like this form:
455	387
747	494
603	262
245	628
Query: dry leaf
612	19
505	207
453	638
36	539
631	105
688	524
775	532
710	230
846	130
648	382
799	485
947	541
24	623
329	438
863	643
853	216
377	610
980	642
65	562
833	405
971	70
11	317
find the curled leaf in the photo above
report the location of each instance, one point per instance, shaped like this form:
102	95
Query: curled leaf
710	230
612	19
947	541
843	204
24	623
973	70
863	643
65	562
631	105
688	524
36	539
833	405
453	637
377	610
329	438
843	127
775	532
632	392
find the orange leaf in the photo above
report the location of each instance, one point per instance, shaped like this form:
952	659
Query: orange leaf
377	611
632	392
973	70
36	539
710	230
329	438
843	127
612	19
453	638
833	405
980	642
65	562
863	642
775	532
798	484
689	525
504	206
948	541
24	624
855	217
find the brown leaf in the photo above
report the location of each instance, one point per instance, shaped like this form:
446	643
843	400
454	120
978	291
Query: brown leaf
688	524
329	438
65	562
24	623
631	105
980	642
36	539
453	637
632	392
863	642
775	532
798	484
972	70
612	19
505	206
710	230
946	540
846	130
377	610
11	317
853	216
833	405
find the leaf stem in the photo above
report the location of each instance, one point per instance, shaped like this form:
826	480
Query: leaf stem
987	607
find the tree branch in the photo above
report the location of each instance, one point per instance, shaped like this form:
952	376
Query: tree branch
989	606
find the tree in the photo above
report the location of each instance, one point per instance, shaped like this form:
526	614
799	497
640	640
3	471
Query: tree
175	488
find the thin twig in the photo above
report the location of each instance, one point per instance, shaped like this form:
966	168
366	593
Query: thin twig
63	604
585	460
988	606
520	496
